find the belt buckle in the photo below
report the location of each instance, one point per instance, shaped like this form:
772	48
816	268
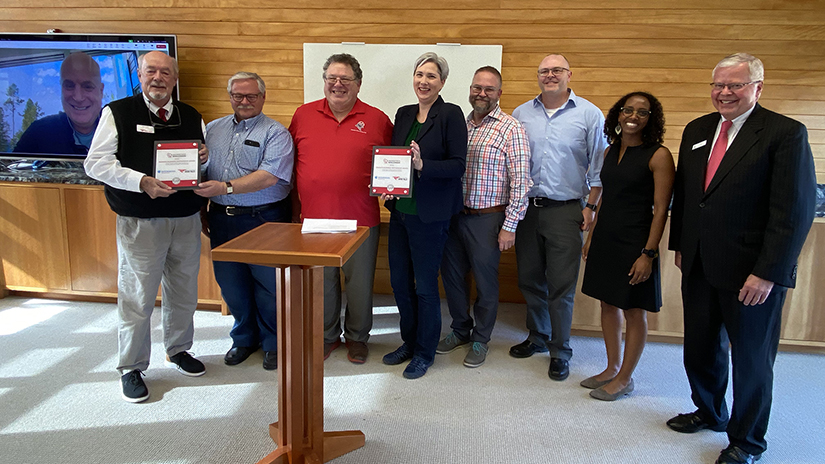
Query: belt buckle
536	202
230	210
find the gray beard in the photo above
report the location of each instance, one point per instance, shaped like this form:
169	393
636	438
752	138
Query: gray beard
158	95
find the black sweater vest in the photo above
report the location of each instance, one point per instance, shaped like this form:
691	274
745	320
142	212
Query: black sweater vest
136	150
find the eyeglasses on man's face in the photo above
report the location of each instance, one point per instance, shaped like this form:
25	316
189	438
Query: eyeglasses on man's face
344	79
718	86
477	89
557	71
629	110
250	97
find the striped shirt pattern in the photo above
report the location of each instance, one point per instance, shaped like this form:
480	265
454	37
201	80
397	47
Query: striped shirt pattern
498	166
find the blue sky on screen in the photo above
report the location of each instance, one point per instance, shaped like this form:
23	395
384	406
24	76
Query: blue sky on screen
41	83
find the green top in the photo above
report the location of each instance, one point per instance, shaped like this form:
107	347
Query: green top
408	205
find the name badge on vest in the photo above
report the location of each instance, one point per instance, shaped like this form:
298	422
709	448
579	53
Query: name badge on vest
145	129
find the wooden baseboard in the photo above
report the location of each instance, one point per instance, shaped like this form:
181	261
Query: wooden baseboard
794	346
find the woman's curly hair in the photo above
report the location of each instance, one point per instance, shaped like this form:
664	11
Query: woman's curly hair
653	132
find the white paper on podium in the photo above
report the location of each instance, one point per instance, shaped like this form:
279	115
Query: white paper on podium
329	226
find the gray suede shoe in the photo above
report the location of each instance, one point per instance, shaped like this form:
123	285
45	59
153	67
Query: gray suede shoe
450	343
600	394
477	354
593	383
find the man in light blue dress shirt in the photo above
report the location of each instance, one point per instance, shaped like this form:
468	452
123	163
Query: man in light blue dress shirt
249	181
567	150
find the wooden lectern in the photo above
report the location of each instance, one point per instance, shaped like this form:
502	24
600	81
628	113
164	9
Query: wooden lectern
299	260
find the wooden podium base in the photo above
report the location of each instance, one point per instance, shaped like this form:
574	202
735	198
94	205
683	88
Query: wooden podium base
299	262
335	444
301	439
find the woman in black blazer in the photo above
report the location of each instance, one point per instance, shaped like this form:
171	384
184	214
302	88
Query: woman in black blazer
437	133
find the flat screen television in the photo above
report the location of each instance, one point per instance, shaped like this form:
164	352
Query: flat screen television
51	95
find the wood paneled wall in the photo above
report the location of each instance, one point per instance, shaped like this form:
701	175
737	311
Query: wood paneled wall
666	47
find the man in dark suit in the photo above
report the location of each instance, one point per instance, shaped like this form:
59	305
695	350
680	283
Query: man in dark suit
743	204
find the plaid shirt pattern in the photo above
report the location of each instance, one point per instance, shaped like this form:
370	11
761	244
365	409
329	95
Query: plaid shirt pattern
498	166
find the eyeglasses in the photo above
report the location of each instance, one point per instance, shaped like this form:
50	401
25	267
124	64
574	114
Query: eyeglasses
344	80
629	110
250	97
487	90
544	72
732	87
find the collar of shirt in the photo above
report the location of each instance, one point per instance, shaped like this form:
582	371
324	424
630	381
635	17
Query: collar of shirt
739	121
494	114
247	123
82	139
356	108
736	124
154	108
572	100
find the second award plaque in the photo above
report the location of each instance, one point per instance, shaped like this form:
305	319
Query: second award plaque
391	171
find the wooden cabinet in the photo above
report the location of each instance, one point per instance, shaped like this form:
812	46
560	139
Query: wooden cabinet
32	232
803	321
60	239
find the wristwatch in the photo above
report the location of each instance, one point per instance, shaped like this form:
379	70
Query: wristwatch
229	188
591	206
650	253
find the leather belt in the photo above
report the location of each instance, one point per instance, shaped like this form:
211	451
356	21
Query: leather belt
492	209
244	210
541	202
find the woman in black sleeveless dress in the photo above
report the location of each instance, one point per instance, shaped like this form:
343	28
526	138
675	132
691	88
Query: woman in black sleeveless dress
622	250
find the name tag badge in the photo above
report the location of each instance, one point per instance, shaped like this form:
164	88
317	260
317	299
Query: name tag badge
700	144
145	129
252	143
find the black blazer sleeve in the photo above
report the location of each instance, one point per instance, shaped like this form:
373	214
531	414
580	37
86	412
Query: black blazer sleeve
443	142
791	204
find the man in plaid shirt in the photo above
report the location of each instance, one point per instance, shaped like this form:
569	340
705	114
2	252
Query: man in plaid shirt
496	182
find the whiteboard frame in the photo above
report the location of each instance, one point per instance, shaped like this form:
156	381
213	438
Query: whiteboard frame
388	71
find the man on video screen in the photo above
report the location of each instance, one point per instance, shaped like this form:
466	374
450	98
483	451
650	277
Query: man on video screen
70	131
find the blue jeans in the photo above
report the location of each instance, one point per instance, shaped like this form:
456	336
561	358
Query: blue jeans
248	289
415	250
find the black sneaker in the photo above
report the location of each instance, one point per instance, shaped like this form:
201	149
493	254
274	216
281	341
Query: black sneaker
186	364
134	390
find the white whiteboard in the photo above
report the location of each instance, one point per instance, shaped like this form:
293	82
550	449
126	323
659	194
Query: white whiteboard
388	71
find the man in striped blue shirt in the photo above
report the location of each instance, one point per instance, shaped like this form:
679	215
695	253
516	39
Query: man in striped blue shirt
249	180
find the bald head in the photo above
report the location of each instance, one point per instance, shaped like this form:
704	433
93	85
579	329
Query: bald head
81	91
553	75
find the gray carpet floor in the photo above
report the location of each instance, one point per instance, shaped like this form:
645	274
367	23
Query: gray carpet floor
60	400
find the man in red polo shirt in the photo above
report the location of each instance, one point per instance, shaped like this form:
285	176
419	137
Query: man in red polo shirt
333	138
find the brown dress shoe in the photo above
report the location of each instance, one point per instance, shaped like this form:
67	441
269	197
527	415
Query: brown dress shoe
357	352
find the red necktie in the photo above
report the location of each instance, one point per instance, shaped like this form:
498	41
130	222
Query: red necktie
718	152
162	115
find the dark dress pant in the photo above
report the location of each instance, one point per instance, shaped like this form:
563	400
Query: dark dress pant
248	289
472	246
715	319
548	254
415	251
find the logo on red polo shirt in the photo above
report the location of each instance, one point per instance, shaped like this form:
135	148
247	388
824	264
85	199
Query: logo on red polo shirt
359	127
